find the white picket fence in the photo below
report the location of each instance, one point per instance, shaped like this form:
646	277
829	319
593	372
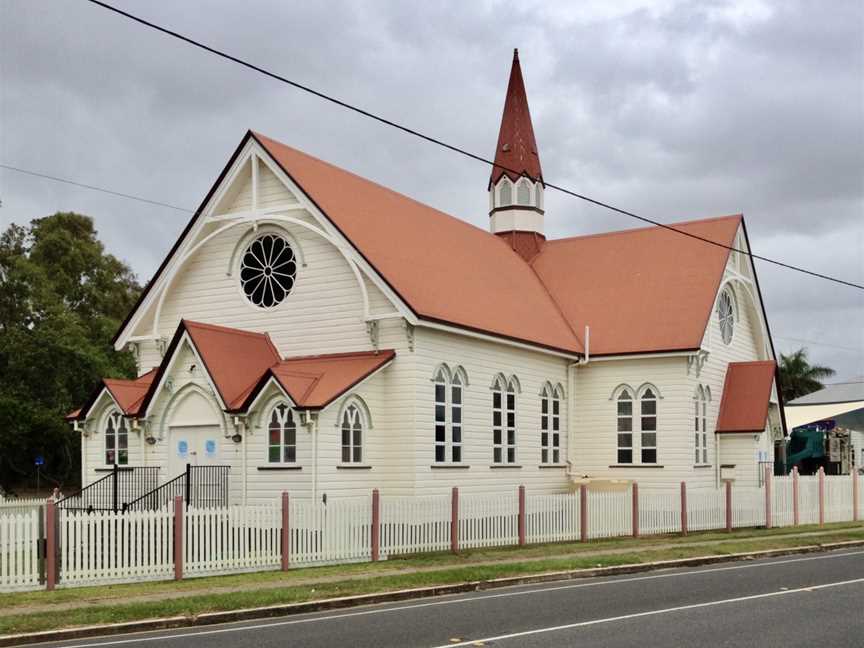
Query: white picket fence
107	547
20	505
19	559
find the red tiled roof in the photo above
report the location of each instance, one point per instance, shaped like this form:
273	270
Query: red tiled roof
517	149
313	382
128	394
746	394
641	290
442	267
235	359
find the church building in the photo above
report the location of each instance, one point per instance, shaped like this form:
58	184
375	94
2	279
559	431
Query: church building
324	335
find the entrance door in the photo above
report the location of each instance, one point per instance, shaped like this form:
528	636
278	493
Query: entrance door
197	445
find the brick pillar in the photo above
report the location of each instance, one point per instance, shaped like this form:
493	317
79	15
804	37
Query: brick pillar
50	545
285	532
521	515
635	496
583	512
728	506
796	511
454	521
683	508
376	525
178	537
768	497
821	496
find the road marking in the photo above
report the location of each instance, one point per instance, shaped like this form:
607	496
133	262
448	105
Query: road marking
453	601
638	615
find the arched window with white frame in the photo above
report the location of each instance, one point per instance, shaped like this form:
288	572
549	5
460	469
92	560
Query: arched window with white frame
282	436
550	425
648	426
523	192
504	420
727	314
625	427
505	193
700	425
352	426
116	439
448	396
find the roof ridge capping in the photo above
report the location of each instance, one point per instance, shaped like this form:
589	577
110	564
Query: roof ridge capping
646	228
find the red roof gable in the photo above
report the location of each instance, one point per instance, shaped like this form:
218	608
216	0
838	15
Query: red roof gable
640	290
315	381
746	394
517	148
128	394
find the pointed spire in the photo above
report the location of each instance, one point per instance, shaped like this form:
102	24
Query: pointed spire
517	148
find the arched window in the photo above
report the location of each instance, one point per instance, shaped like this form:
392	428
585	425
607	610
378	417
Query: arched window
352	435
625	427
700	424
505	193
550	425
523	192
504	421
282	437
648	426
448	415
116	440
726	315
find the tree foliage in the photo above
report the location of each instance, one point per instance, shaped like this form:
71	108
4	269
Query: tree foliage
62	297
798	377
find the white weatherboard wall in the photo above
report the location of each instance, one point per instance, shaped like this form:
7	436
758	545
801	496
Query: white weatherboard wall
483	360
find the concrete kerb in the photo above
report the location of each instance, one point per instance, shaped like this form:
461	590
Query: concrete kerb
288	609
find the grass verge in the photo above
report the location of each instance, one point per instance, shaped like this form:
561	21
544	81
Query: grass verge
114	604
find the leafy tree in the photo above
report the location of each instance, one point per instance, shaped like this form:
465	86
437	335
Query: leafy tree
62	297
798	377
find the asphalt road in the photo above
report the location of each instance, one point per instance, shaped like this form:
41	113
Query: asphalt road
810	600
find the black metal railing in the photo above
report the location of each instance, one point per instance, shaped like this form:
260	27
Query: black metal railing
109	493
200	486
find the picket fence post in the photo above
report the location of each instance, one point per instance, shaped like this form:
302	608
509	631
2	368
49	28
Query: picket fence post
683	508
821	496
454	520
854	495
635	495
285	532
583	512
767	472
729	506
796	512
521	515
50	545
376	525
178	537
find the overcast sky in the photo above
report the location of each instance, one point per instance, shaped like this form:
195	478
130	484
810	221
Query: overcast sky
676	110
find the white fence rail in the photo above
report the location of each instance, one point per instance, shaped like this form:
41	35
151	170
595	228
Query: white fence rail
106	547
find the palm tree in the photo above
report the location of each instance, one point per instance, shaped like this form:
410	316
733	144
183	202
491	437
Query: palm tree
798	377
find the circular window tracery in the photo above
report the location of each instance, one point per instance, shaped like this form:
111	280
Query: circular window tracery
268	270
726	316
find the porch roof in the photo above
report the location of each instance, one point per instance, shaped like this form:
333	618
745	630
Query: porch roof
746	395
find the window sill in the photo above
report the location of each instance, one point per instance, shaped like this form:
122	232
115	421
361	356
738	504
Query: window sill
353	467
449	466
280	467
119	468
702	465
637	466
552	465
498	466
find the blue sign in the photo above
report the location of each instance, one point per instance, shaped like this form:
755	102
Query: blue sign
210	448
182	448
40	460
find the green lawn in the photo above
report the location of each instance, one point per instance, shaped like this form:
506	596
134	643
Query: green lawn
33	611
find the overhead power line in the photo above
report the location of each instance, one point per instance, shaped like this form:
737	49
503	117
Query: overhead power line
821	344
93	187
452	147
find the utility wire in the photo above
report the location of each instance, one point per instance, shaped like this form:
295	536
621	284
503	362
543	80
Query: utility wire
92	187
451	147
815	343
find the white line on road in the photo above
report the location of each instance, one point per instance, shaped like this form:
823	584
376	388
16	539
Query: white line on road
637	615
462	599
